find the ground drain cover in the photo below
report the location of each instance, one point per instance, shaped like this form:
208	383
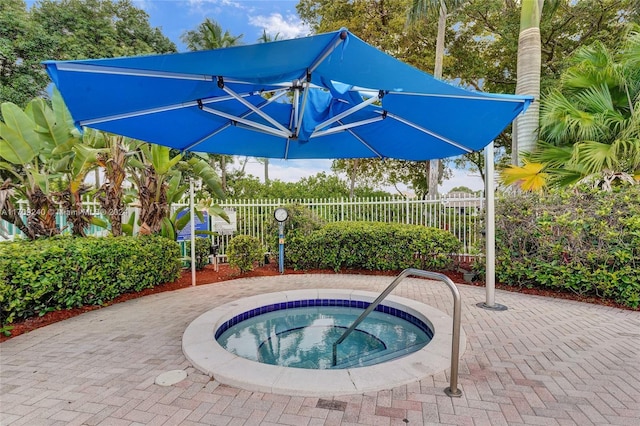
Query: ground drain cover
331	404
171	377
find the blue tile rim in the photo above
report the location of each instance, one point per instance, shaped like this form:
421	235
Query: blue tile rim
359	304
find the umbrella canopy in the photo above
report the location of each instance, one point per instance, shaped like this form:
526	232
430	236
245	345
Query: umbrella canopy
324	96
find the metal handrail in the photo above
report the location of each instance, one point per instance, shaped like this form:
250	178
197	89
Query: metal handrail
452	390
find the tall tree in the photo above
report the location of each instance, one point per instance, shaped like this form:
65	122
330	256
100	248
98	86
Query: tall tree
383	25
98	28
209	35
67	29
421	9
525	126
267	38
481	41
23	44
484	49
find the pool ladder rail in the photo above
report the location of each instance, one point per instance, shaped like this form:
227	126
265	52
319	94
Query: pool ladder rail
452	390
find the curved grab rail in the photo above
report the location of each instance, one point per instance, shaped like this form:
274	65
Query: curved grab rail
452	390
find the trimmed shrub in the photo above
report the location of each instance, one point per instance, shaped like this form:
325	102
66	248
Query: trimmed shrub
203	249
243	252
584	241
373	246
65	272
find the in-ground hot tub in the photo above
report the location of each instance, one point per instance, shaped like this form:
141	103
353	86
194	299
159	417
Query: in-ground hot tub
384	362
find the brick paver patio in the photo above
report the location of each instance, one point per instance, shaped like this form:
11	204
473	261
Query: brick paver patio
543	361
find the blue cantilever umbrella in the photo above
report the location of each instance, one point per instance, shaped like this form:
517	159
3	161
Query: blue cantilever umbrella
325	96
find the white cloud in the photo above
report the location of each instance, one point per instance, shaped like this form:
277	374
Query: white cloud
145	5
215	7
289	27
199	3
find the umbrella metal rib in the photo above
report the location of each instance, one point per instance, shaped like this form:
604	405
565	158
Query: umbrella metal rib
429	132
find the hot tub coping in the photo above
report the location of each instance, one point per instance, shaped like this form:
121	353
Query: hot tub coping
208	356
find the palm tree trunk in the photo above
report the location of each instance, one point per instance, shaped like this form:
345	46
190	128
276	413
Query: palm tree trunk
525	128
434	165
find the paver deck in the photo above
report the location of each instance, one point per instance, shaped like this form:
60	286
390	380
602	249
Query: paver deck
543	361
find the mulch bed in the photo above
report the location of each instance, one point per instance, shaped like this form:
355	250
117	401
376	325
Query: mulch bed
208	276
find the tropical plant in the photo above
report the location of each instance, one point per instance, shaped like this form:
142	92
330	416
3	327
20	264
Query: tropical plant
24	156
158	178
113	162
174	224
590	124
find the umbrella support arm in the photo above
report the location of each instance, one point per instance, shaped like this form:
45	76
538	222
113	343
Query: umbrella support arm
342	36
300	114
253	108
345	127
348	112
249	123
430	133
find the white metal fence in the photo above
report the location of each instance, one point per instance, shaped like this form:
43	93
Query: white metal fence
459	213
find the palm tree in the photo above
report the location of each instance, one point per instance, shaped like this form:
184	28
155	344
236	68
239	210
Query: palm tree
421	9
590	124
209	35
525	127
267	38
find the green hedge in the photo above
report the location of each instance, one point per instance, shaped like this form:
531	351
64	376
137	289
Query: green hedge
372	246
584	241
65	272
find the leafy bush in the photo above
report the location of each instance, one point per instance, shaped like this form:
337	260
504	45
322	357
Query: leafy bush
584	241
64	272
243	252
373	246
203	249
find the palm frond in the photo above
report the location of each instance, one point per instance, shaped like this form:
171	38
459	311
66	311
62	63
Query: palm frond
595	157
563	177
529	177
551	155
631	50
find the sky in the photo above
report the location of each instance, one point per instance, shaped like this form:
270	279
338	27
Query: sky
250	18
